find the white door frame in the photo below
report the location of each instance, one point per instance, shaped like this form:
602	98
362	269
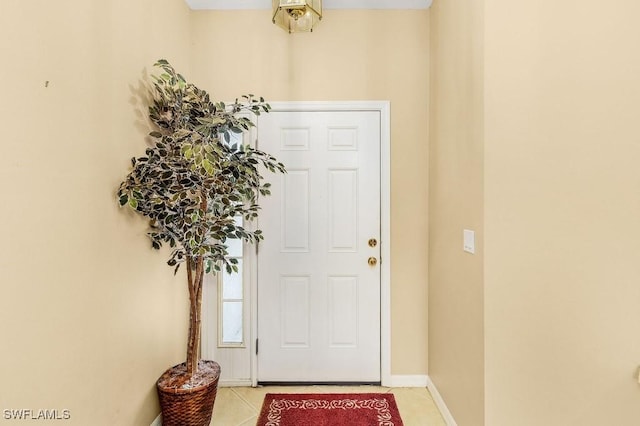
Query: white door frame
383	108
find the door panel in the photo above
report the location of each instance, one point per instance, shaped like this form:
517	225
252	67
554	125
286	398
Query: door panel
318	298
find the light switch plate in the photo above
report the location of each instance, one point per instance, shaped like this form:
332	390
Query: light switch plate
469	241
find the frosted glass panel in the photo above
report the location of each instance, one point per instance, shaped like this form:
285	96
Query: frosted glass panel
230	293
232	324
235	245
232	284
235	140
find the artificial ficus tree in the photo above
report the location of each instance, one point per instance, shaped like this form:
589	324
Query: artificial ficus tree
194	182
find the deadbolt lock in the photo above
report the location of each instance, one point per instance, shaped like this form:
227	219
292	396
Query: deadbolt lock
373	242
372	261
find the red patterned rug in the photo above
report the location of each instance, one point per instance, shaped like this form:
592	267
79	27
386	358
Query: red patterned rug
330	409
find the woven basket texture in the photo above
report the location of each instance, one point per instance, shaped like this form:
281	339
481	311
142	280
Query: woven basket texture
188	407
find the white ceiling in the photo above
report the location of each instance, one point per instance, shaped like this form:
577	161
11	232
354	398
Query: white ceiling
328	4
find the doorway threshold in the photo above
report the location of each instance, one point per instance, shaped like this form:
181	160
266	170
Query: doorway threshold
312	383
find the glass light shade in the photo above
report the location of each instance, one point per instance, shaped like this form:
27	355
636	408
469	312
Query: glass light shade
297	16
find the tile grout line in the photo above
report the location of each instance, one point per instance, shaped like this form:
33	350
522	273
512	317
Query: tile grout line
254	409
242	422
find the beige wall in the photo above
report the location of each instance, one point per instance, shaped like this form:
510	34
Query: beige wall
541	104
90	316
456	308
562	205
352	55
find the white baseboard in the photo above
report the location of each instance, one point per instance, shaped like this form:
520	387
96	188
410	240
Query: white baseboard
234	383
407	381
437	398
157	421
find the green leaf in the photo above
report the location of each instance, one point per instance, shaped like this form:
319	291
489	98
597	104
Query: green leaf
207	166
189	158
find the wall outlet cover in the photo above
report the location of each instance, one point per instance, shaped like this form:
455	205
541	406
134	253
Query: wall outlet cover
469	241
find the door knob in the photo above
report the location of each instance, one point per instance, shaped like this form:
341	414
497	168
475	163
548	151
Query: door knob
373	242
372	261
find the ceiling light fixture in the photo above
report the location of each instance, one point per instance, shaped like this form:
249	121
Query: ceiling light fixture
297	16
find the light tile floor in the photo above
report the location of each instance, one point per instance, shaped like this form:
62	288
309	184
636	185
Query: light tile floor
241	406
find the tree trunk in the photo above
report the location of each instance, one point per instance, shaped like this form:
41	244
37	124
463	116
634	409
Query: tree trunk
195	313
195	303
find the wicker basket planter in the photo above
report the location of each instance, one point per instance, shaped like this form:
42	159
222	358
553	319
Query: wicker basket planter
188	402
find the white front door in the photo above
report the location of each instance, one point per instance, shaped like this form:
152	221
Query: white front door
318	267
